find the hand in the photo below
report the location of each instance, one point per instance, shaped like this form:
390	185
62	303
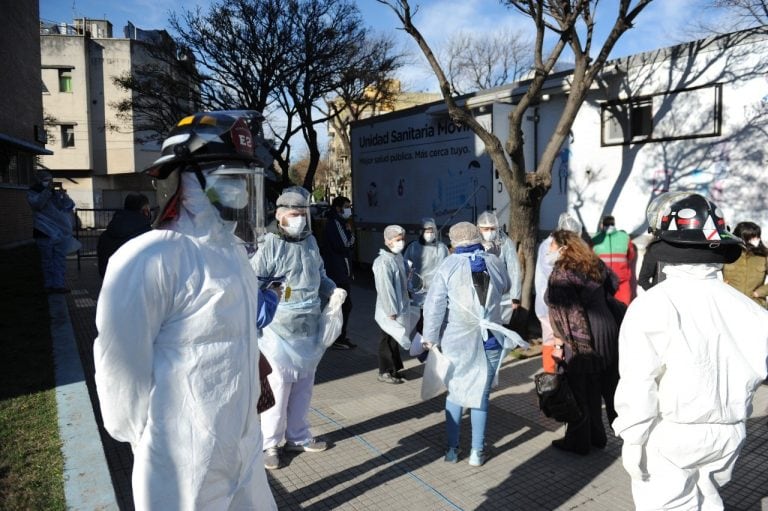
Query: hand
558	353
515	305
277	288
754	294
426	345
634	461
337	297
393	317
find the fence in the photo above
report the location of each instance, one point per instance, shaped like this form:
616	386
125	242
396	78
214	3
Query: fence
89	224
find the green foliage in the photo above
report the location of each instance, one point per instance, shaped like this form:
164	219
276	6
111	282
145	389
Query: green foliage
31	463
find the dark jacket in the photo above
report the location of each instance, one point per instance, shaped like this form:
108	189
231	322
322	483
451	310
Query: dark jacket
123	226
337	249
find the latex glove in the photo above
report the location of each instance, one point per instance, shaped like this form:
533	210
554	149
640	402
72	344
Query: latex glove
634	461
337	298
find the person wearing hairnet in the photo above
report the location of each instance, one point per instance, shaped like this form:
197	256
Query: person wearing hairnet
292	343
545	261
52	229
498	243
423	256
392	304
692	352
466	294
178	317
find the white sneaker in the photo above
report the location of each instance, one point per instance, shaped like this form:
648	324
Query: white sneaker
272	458
311	445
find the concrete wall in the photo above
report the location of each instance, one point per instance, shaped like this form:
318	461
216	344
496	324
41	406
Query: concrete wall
67	107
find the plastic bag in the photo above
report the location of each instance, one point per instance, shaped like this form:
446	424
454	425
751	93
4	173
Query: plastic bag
331	321
436	372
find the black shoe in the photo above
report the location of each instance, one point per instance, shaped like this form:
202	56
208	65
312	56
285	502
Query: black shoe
563	446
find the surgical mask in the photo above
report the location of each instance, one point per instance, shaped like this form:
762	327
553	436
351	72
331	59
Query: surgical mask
429	237
489	235
755	242
295	225
227	191
552	257
346	213
397	246
610	229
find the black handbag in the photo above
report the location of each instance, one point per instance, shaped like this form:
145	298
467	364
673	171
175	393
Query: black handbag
556	399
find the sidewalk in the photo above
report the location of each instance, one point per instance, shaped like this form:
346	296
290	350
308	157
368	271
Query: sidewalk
387	445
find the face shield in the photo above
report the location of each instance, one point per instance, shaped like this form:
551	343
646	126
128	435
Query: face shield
237	192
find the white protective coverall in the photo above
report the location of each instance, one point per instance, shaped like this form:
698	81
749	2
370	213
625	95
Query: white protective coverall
452	290
292	342
692	351
506	250
391	282
176	363
424	258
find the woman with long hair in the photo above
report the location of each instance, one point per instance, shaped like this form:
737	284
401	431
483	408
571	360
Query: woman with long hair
748	273
586	336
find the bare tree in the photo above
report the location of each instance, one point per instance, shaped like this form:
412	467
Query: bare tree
331	53
728	16
483	61
366	90
573	22
163	89
279	57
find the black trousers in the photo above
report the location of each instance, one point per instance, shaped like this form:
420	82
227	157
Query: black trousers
389	355
346	308
589	431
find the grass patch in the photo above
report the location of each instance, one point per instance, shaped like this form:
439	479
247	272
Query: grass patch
31	463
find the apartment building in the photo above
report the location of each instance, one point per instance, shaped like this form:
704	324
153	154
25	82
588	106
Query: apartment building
96	154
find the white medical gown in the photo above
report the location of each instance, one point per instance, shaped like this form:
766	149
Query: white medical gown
176	363
452	299
291	342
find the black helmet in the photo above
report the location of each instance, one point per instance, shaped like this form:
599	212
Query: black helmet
201	138
690	219
209	136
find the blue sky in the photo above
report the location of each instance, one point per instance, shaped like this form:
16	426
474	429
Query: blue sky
661	24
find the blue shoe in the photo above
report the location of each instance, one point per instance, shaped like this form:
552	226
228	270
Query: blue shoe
476	458
452	455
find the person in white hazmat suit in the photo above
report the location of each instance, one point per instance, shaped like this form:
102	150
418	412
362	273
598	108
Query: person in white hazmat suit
498	243
292	343
545	261
392	312
178	317
692	352
466	293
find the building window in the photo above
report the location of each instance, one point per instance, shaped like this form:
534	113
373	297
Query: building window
16	167
683	114
65	80
67	135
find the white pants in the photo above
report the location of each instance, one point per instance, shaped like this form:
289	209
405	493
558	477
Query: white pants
687	465
288	418
547	335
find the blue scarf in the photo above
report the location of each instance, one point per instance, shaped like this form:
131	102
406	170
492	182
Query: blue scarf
476	261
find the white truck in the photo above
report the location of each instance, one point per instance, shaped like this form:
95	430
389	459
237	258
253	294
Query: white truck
413	164
689	117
